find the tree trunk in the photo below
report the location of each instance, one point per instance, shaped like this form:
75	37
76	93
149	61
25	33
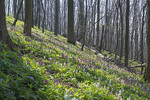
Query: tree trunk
8	7
147	69
56	30
122	39
117	32
97	37
33	22
84	33
101	42
43	22
4	36
94	7
141	41
127	33
28	17
71	35
14	7
39	16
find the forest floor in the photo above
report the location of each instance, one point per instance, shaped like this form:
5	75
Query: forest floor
108	58
46	67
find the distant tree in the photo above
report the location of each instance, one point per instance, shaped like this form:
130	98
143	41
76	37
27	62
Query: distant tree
71	35
122	34
81	21
101	41
8	7
56	29
147	70
39	13
17	16
117	31
65	18
4	36
44	11
28	17
85	26
93	23
106	24
98	12
141	40
15	7
127	33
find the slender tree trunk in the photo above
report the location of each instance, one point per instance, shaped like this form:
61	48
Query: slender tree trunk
33	23
122	39
106	28
22	13
43	22
14	7
17	16
141	41
65	17
132	33
81	20
56	30
127	33
8	7
136	31
101	42
94	23
84	28
117	32
39	16
36	13
97	38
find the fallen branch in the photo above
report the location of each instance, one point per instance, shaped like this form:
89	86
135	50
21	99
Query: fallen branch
140	65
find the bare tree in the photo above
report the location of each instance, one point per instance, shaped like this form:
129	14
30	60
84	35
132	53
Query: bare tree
17	16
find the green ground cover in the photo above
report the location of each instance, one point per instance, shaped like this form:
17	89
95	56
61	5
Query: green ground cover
46	67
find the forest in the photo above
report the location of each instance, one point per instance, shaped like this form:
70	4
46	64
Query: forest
74	49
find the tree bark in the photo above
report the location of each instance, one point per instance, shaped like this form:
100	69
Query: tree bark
101	42
122	39
56	29
14	7
28	17
97	37
4	36
127	33
71	35
141	41
44	11
147	69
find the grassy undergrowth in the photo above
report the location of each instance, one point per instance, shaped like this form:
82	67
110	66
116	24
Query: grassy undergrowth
46	67
132	62
112	56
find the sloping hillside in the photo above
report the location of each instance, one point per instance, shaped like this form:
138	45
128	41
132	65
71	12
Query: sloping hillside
46	67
